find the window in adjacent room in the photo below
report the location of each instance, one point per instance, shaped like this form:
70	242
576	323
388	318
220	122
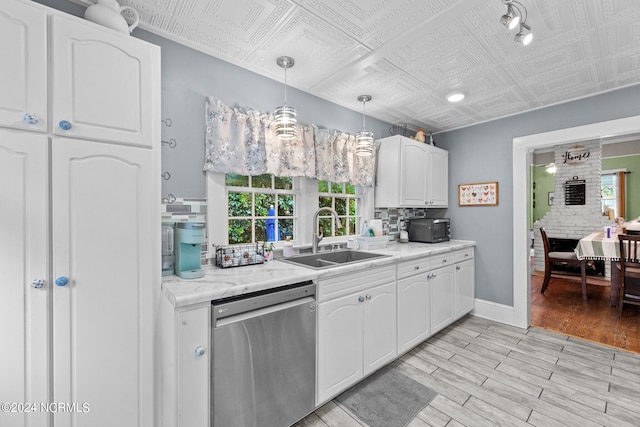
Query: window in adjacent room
343	198
260	208
613	193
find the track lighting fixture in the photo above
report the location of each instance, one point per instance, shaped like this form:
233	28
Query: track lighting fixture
285	116
515	16
364	139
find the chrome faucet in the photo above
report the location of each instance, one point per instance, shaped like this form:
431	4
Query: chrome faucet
317	237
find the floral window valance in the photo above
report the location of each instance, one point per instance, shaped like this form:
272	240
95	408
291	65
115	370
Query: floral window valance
243	141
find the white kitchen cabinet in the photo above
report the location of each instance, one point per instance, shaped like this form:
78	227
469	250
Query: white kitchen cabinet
414	304
356	328
24	242
102	83
411	174
465	282
80	234
103	319
23	69
442	282
186	364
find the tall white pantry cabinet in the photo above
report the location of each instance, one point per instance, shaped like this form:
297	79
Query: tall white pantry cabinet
79	221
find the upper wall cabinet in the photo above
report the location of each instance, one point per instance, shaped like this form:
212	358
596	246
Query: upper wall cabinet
101	84
411	174
23	69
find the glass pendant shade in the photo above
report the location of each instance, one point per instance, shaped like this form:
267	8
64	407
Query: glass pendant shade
364	143
285	122
285	116
364	139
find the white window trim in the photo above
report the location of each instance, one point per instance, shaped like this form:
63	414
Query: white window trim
306	193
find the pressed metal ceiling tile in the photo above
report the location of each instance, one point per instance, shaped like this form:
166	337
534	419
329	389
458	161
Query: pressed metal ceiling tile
408	54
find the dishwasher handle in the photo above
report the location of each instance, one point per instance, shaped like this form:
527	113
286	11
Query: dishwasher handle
223	321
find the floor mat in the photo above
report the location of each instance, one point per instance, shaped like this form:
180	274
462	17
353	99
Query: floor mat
388	398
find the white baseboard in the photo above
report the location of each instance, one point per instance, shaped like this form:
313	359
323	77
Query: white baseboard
497	312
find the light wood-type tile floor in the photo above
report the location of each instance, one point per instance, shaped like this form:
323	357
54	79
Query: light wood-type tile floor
490	374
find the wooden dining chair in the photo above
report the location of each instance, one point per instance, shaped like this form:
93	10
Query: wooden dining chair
629	270
553	260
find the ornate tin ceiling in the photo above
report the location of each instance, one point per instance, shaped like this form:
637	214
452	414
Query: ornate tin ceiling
409	54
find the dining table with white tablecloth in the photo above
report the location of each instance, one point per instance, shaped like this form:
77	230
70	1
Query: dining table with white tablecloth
597	246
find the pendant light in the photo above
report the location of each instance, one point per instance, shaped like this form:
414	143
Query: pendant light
364	139
285	116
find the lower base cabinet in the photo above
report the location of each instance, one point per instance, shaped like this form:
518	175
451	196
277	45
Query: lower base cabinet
414	311
356	331
432	293
465	283
442	282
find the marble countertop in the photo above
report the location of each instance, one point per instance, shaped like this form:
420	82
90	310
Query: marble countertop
225	282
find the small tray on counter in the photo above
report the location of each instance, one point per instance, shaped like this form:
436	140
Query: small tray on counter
239	255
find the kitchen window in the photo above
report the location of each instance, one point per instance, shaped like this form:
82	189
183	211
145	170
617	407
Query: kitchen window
305	195
344	199
260	208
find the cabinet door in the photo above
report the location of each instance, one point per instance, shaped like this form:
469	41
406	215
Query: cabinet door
442	298
414	311
23	68
340	347
438	179
104	83
24	311
379	335
413	187
104	242
193	332
465	287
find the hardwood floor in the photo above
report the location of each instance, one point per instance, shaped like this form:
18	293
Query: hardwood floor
562	310
490	374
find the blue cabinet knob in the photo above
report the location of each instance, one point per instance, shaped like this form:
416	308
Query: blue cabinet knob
361	298
65	125
30	118
62	281
199	351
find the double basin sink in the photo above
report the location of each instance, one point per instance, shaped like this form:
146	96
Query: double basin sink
331	259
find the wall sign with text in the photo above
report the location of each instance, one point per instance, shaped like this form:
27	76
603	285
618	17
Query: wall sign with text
576	155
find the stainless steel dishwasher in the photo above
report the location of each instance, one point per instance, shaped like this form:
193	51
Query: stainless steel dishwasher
264	357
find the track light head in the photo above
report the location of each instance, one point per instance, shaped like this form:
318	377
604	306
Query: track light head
510	19
524	36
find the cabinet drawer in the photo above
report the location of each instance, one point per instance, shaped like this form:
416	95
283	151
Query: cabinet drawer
441	260
413	267
354	282
464	255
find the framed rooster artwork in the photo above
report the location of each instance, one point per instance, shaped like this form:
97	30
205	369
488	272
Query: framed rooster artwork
478	194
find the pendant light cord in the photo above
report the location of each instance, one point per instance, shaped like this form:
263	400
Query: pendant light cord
285	85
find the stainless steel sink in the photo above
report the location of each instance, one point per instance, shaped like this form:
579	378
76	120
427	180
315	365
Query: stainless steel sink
331	259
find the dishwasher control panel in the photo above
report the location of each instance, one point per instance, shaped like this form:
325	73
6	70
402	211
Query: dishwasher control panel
262	299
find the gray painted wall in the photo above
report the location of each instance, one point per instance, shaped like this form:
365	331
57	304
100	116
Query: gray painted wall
476	153
188	76
483	152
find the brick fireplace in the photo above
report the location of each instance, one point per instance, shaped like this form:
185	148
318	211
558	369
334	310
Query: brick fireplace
573	221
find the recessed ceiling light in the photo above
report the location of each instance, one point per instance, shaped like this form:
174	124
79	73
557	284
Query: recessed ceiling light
455	97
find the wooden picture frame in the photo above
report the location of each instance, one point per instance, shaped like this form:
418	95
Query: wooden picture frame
478	194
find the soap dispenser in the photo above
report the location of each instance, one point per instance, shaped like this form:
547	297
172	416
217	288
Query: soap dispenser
287	248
